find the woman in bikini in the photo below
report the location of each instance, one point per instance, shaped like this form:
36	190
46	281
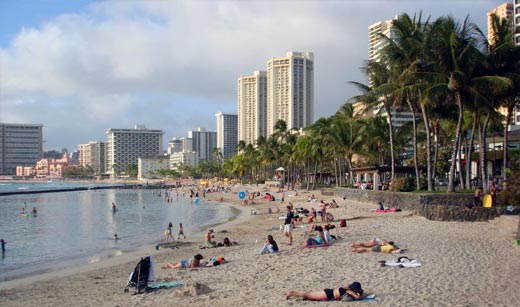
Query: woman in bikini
352	292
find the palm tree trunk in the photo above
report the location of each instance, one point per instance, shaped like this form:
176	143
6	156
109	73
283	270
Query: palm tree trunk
392	156
483	153
469	152
455	152
415	152
426	121
510	110
436	135
459	162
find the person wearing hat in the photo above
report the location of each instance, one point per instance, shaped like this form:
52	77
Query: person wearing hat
208	239
352	292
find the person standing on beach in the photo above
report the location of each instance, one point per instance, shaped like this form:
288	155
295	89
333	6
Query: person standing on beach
181	232
477	201
287	228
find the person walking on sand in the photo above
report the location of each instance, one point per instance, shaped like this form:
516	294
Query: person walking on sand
168	232
288	223
181	232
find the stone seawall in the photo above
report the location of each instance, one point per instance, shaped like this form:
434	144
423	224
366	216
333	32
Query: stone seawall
437	207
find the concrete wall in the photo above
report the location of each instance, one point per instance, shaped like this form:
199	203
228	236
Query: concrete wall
437	207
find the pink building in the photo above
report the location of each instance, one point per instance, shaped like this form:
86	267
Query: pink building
24	171
51	167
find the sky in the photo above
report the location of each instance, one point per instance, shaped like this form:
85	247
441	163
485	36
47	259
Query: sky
81	67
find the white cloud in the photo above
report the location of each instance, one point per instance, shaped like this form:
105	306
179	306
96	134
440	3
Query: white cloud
93	68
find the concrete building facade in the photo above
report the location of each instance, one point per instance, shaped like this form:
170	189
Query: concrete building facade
516	21
147	166
125	146
252	107
20	145
203	142
174	145
93	154
290	90
187	158
227	133
504	11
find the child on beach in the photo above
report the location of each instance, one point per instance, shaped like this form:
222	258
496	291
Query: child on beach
181	232
168	232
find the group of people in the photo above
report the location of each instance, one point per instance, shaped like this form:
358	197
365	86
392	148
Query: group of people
168	232
209	240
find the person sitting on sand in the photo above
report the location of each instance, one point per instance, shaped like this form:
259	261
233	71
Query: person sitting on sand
387	247
352	292
270	246
320	237
208	239
184	263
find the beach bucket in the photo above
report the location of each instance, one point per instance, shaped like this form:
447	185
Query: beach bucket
157	247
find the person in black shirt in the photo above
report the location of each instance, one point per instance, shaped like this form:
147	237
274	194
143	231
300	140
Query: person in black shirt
287	229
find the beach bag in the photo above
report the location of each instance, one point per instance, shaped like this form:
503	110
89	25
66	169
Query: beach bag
342	223
142	274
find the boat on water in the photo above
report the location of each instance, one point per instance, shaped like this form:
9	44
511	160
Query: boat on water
23	188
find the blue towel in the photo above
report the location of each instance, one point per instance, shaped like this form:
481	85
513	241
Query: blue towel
166	285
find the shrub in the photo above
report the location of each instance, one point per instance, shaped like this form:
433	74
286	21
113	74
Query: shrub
403	184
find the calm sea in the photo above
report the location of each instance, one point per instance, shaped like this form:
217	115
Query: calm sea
78	227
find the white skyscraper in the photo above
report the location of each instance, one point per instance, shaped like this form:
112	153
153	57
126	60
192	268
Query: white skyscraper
227	133
252	106
290	90
125	146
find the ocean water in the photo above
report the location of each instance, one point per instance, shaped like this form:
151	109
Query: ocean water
78	227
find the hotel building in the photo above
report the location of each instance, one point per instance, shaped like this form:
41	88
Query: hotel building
93	154
20	145
252	107
516	22
504	11
148	166
202	142
125	146
227	133
290	90
186	158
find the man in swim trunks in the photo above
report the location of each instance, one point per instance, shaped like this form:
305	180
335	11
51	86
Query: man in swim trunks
353	291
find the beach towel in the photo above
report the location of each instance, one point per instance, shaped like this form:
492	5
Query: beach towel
316	246
165	285
370	297
403	262
385	210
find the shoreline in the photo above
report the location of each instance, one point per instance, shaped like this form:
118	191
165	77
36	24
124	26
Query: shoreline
462	264
104	259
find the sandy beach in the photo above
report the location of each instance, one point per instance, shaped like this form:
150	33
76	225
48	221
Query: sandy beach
463	264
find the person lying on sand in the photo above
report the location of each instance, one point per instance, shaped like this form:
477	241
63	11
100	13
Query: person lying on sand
184	263
352	292
388	247
370	243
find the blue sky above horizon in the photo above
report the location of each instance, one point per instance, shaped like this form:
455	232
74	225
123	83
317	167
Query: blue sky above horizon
81	67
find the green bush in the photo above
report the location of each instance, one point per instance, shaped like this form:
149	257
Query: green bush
511	195
403	184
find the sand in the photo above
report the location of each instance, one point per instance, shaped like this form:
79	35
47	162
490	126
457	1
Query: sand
463	264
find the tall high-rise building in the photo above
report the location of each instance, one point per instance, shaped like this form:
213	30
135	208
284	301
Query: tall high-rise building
125	146
93	154
20	145
504	11
252	107
516	22
203	142
227	133
375	40
290	90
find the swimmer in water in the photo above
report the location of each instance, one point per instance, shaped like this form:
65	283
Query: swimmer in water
116	237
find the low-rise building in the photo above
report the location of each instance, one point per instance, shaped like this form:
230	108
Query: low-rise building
148	166
184	158
51	168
